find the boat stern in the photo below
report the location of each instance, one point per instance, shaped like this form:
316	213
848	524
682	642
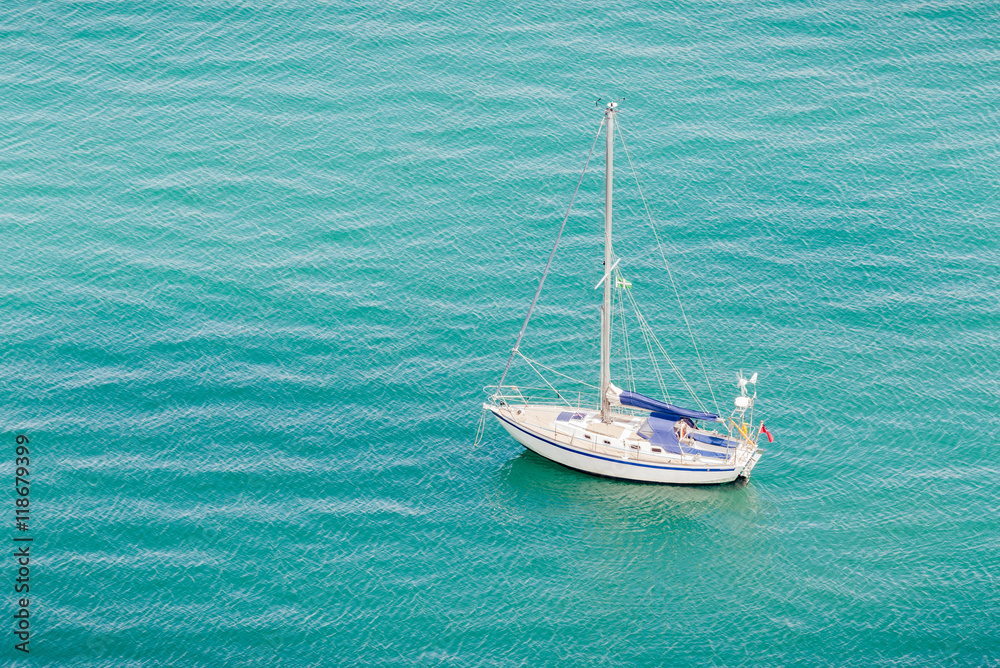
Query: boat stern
751	462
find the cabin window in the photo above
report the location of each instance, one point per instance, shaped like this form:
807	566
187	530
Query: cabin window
656	450
607	442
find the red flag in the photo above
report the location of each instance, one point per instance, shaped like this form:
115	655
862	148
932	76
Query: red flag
763	429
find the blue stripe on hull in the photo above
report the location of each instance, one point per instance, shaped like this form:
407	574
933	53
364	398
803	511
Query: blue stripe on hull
607	459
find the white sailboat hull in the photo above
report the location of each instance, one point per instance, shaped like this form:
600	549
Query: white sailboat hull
624	466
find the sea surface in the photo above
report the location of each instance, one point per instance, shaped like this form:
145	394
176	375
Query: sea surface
259	260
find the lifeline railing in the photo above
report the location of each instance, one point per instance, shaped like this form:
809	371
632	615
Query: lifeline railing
543	396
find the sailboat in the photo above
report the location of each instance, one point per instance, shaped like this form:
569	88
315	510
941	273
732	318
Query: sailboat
625	434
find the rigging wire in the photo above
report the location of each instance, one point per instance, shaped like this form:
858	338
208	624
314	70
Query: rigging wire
630	373
648	331
649	348
663	256
544	380
628	346
652	337
548	264
548	368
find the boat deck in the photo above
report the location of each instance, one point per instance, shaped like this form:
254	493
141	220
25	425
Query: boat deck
582	429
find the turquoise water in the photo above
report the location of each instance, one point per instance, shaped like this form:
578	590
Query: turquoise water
261	258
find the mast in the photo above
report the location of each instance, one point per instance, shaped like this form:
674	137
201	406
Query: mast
609	113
